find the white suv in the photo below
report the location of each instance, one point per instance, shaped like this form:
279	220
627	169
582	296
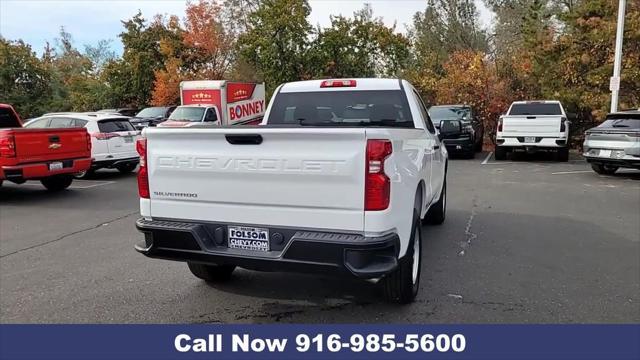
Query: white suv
113	137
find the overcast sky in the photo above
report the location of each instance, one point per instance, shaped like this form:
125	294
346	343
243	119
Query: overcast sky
38	21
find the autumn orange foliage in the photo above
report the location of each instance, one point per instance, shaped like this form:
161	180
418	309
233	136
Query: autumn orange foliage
471	79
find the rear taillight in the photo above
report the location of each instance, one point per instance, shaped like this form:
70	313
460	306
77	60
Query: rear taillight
500	125
7	146
104	136
377	184
143	175
88	137
563	126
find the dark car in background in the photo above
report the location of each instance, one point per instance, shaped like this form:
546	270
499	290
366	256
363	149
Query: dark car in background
465	139
615	143
121	111
151	116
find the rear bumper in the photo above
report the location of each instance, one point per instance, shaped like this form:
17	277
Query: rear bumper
20	173
294	250
112	163
540	142
627	162
459	145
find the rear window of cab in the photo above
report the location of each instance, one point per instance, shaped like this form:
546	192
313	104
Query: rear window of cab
536	109
387	108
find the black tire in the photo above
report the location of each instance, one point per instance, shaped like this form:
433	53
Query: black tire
500	153
126	168
478	146
563	154
604	169
438	211
57	183
84	174
402	285
470	155
211	273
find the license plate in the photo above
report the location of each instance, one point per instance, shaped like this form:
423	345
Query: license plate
604	153
529	139
248	238
128	139
55	166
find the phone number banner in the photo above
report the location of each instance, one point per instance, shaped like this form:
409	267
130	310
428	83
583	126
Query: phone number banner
320	342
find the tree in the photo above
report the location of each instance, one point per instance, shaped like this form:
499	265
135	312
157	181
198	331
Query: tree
277	41
359	47
211	47
131	78
583	59
443	28
24	80
471	79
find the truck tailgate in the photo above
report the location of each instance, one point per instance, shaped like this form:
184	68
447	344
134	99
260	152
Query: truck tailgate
302	177
37	145
533	125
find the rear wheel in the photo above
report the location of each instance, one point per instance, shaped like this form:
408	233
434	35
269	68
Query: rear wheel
211	273
604	169
500	153
563	154
438	211
126	168
84	174
401	286
57	183
478	146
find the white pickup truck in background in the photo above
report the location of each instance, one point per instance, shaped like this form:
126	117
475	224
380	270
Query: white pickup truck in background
337	179
533	126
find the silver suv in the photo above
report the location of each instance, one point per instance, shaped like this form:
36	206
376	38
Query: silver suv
615	143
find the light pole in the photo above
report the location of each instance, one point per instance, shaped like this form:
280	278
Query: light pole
614	85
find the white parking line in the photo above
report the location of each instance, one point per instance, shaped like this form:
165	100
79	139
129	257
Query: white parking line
487	158
571	172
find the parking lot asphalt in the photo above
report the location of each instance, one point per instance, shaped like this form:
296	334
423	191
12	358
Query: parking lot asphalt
525	241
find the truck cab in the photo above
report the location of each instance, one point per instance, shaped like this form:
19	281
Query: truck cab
188	115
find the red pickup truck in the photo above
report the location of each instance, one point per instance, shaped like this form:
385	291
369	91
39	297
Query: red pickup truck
52	156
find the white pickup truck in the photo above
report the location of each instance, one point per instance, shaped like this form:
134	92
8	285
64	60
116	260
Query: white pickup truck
335	180
533	126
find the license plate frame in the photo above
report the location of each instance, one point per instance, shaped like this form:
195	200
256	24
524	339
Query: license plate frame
248	238
56	165
530	139
128	139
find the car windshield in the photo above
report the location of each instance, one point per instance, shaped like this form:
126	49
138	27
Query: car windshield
443	113
536	109
152	112
387	108
622	122
187	114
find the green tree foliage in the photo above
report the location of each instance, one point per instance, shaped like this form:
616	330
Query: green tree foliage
582	58
442	29
361	46
131	78
277	41
24	80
